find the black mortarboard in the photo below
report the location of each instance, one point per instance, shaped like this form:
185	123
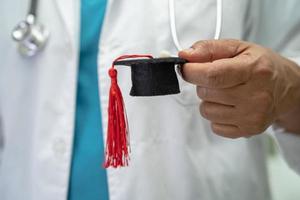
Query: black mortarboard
154	76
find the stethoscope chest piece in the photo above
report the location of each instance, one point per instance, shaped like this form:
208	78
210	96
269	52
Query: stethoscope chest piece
30	36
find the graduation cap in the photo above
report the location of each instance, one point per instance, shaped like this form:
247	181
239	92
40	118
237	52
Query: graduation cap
150	77
154	76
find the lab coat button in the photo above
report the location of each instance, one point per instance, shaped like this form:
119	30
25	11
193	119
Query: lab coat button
59	146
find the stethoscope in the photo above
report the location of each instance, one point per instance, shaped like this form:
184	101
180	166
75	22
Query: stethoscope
32	37
173	22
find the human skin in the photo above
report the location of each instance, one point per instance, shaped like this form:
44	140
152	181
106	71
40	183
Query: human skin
244	87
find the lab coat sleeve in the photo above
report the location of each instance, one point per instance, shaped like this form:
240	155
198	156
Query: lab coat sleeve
289	143
289	146
279	29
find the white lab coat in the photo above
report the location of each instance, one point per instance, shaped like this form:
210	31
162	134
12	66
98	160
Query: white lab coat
175	156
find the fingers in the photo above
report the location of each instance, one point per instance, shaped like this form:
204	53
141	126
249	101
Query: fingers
228	96
218	113
229	131
222	73
211	50
223	119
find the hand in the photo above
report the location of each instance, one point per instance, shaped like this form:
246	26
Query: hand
244	87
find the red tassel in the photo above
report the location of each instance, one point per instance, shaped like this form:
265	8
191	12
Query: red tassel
117	142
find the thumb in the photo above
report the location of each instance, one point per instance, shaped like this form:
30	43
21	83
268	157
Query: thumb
211	50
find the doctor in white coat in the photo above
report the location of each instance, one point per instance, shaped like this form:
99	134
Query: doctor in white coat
244	88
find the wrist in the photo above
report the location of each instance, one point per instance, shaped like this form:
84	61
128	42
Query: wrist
291	94
290	115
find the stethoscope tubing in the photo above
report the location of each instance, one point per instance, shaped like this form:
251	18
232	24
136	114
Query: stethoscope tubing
33	8
172	18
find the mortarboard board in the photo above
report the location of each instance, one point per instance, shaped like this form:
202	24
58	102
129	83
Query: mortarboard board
150	77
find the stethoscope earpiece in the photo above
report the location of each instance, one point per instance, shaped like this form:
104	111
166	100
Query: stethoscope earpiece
30	36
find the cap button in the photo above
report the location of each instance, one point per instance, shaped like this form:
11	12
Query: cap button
112	73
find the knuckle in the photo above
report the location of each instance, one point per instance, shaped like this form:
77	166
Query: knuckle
201	92
264	71
206	46
264	67
215	129
213	77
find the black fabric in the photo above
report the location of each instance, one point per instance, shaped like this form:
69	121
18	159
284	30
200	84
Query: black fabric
153	77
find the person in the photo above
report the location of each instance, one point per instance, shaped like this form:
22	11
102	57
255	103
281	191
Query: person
53	125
